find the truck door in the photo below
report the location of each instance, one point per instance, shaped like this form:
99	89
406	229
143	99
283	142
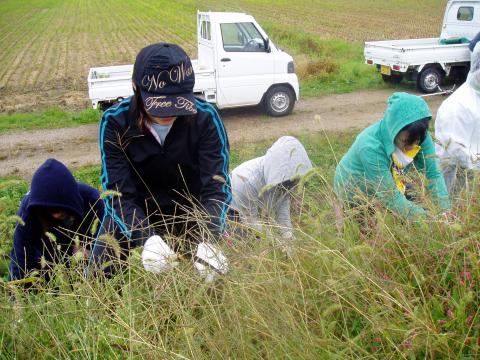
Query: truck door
245	65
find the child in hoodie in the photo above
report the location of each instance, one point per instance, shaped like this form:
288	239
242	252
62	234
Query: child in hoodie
382	154
263	185
56	205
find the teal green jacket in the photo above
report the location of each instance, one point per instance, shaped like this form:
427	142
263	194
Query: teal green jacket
366	167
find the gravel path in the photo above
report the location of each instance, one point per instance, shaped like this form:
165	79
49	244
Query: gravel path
21	153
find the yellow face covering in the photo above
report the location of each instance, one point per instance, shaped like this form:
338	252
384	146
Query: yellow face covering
400	160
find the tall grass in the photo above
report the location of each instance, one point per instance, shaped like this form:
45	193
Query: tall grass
398	291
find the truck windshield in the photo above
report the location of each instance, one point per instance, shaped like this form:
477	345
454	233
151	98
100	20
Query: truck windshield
242	37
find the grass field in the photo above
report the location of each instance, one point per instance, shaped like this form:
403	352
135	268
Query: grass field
401	291
49	45
50	119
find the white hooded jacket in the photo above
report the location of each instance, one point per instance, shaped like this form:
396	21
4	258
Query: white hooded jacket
254	183
457	126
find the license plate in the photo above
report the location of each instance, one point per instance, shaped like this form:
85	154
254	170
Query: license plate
385	70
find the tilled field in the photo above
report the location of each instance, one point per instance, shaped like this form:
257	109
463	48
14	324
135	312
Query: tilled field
47	47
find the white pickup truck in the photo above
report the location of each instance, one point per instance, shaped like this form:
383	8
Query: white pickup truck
237	65
428	61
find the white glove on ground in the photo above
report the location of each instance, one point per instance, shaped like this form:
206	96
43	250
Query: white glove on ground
210	261
157	256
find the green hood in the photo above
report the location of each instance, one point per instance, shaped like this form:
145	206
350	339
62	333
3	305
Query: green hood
366	167
403	109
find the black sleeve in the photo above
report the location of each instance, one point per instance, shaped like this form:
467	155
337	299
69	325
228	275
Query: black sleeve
214	157
117	178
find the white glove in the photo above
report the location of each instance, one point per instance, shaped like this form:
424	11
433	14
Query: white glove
210	261
157	256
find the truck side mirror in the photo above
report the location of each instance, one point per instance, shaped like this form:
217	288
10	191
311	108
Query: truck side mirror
266	44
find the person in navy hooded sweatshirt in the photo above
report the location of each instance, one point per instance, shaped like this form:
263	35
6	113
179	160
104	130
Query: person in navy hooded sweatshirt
56	204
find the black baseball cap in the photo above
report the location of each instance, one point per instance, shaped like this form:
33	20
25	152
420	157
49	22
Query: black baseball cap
165	76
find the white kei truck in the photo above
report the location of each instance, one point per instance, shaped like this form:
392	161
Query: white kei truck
429	61
237	66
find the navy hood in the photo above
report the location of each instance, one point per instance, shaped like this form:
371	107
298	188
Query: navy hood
53	185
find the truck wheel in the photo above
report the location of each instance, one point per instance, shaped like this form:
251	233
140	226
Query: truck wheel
392	79
279	101
429	80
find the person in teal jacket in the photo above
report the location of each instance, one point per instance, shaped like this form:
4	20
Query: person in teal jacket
383	153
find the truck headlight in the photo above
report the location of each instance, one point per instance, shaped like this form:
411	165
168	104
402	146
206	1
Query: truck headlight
290	67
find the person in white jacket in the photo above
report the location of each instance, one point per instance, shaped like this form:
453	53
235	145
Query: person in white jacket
457	128
261	187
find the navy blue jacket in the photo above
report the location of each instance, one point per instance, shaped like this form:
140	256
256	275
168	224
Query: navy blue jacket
54	187
474	42
190	168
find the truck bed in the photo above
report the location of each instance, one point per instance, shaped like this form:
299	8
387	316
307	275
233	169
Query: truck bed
204	78
415	52
110	83
411	44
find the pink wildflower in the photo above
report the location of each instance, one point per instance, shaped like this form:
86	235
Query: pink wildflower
384	276
450	313
464	276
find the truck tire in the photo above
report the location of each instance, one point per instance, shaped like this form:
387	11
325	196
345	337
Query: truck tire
392	79
279	101
429	80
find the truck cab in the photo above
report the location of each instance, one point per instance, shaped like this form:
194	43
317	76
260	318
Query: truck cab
461	19
249	68
237	65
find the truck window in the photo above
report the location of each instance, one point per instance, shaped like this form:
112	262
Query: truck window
241	37
205	30
465	13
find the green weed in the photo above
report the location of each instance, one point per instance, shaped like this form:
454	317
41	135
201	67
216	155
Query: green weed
52	118
399	291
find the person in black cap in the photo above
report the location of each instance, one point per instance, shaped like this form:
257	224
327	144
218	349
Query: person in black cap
165	154
55	211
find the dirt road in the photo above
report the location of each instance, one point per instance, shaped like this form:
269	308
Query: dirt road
21	153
